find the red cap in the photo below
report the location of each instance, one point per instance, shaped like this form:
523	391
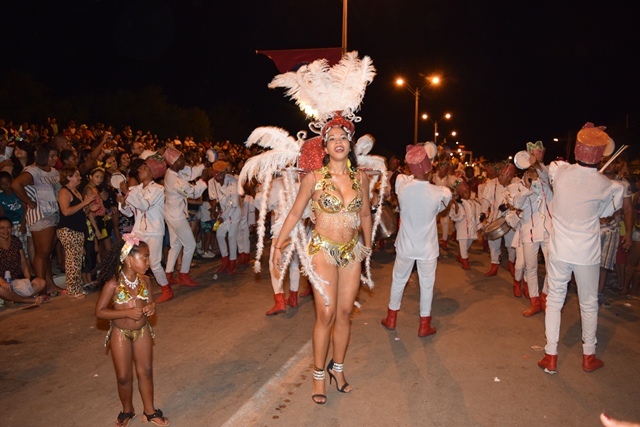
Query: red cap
171	155
417	159
591	143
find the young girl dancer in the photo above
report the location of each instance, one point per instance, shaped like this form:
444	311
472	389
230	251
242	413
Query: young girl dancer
126	301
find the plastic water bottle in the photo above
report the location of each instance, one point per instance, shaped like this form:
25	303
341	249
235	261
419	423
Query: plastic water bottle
7	276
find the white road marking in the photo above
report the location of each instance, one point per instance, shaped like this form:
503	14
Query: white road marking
258	403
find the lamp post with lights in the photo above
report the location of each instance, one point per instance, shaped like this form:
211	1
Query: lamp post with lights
433	81
435	124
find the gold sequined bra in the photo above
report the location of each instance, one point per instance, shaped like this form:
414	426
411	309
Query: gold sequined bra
123	296
338	214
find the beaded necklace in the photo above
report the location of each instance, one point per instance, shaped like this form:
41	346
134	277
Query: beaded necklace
131	285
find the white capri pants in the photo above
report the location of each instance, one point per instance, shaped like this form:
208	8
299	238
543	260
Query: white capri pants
244	246
465	244
520	263
181	237
587	277
427	276
445	221
495	248
155	256
229	229
531	250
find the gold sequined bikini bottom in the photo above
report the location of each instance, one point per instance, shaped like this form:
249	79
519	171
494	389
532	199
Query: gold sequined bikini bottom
338	254
129	334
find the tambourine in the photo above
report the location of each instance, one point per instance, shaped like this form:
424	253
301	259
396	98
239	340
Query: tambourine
116	180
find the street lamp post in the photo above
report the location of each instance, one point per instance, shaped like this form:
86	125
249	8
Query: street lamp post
435	125
416	94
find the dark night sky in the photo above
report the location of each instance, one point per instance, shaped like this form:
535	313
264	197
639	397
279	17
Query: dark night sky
513	71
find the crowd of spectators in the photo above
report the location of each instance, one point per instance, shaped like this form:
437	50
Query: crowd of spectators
97	152
100	151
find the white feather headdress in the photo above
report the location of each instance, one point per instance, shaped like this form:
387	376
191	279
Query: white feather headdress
322	91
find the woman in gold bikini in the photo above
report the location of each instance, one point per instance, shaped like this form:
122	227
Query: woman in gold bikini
340	201
127	302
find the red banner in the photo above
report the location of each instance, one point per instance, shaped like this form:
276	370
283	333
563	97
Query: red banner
291	59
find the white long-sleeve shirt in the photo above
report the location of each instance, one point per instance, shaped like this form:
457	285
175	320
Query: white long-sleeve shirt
581	196
227	197
176	192
420	202
467	219
491	198
536	213
147	205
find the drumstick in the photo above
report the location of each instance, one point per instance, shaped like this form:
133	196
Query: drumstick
616	154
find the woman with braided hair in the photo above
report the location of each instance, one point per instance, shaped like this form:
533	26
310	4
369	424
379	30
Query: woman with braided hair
127	302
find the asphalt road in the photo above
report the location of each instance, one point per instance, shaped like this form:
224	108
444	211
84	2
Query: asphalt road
218	360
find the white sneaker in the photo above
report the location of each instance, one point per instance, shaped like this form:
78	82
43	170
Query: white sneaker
208	254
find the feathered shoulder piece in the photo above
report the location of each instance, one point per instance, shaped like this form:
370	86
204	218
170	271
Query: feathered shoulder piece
322	91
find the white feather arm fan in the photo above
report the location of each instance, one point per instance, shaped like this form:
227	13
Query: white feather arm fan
284	150
374	163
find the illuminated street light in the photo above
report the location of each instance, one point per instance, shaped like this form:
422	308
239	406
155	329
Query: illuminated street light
435	125
434	81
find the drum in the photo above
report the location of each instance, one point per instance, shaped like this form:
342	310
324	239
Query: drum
388	222
521	160
116	180
609	149
157	165
497	229
431	149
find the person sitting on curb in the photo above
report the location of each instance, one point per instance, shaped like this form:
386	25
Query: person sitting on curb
14	263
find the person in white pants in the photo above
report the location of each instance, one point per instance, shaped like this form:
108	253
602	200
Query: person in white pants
247	219
225	201
145	202
443	179
495	203
417	240
466	214
535	231
582	195
176	191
